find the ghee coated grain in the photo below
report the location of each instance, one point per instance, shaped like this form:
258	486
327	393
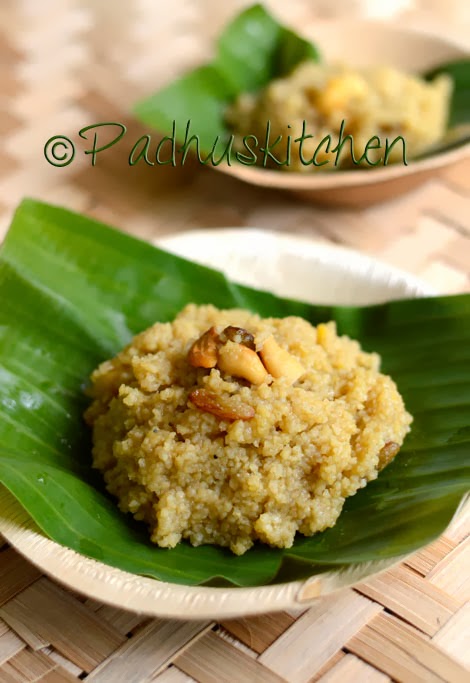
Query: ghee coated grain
190	474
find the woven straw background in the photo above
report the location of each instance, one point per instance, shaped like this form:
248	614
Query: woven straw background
68	63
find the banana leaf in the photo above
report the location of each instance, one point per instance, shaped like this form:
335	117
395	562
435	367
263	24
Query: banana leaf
459	71
458	132
73	291
253	50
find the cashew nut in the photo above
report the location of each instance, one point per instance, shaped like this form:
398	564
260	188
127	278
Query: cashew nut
240	361
340	91
203	353
279	362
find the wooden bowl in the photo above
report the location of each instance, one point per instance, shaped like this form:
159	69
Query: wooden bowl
363	43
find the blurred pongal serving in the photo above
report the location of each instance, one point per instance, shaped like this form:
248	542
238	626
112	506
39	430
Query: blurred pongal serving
318	106
400	94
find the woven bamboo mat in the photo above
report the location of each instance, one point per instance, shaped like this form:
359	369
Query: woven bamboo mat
408	624
66	64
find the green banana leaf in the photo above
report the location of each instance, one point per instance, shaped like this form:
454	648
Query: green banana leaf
458	132
459	71
73	291
253	50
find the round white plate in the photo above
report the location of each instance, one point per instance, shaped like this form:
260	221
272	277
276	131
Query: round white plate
288	266
296	267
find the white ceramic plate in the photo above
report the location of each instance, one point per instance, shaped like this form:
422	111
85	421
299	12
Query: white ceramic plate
296	267
289	266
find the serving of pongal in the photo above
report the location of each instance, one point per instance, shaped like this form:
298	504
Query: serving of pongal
226	428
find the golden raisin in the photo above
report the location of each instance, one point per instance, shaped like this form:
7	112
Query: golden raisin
239	336
224	407
387	453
